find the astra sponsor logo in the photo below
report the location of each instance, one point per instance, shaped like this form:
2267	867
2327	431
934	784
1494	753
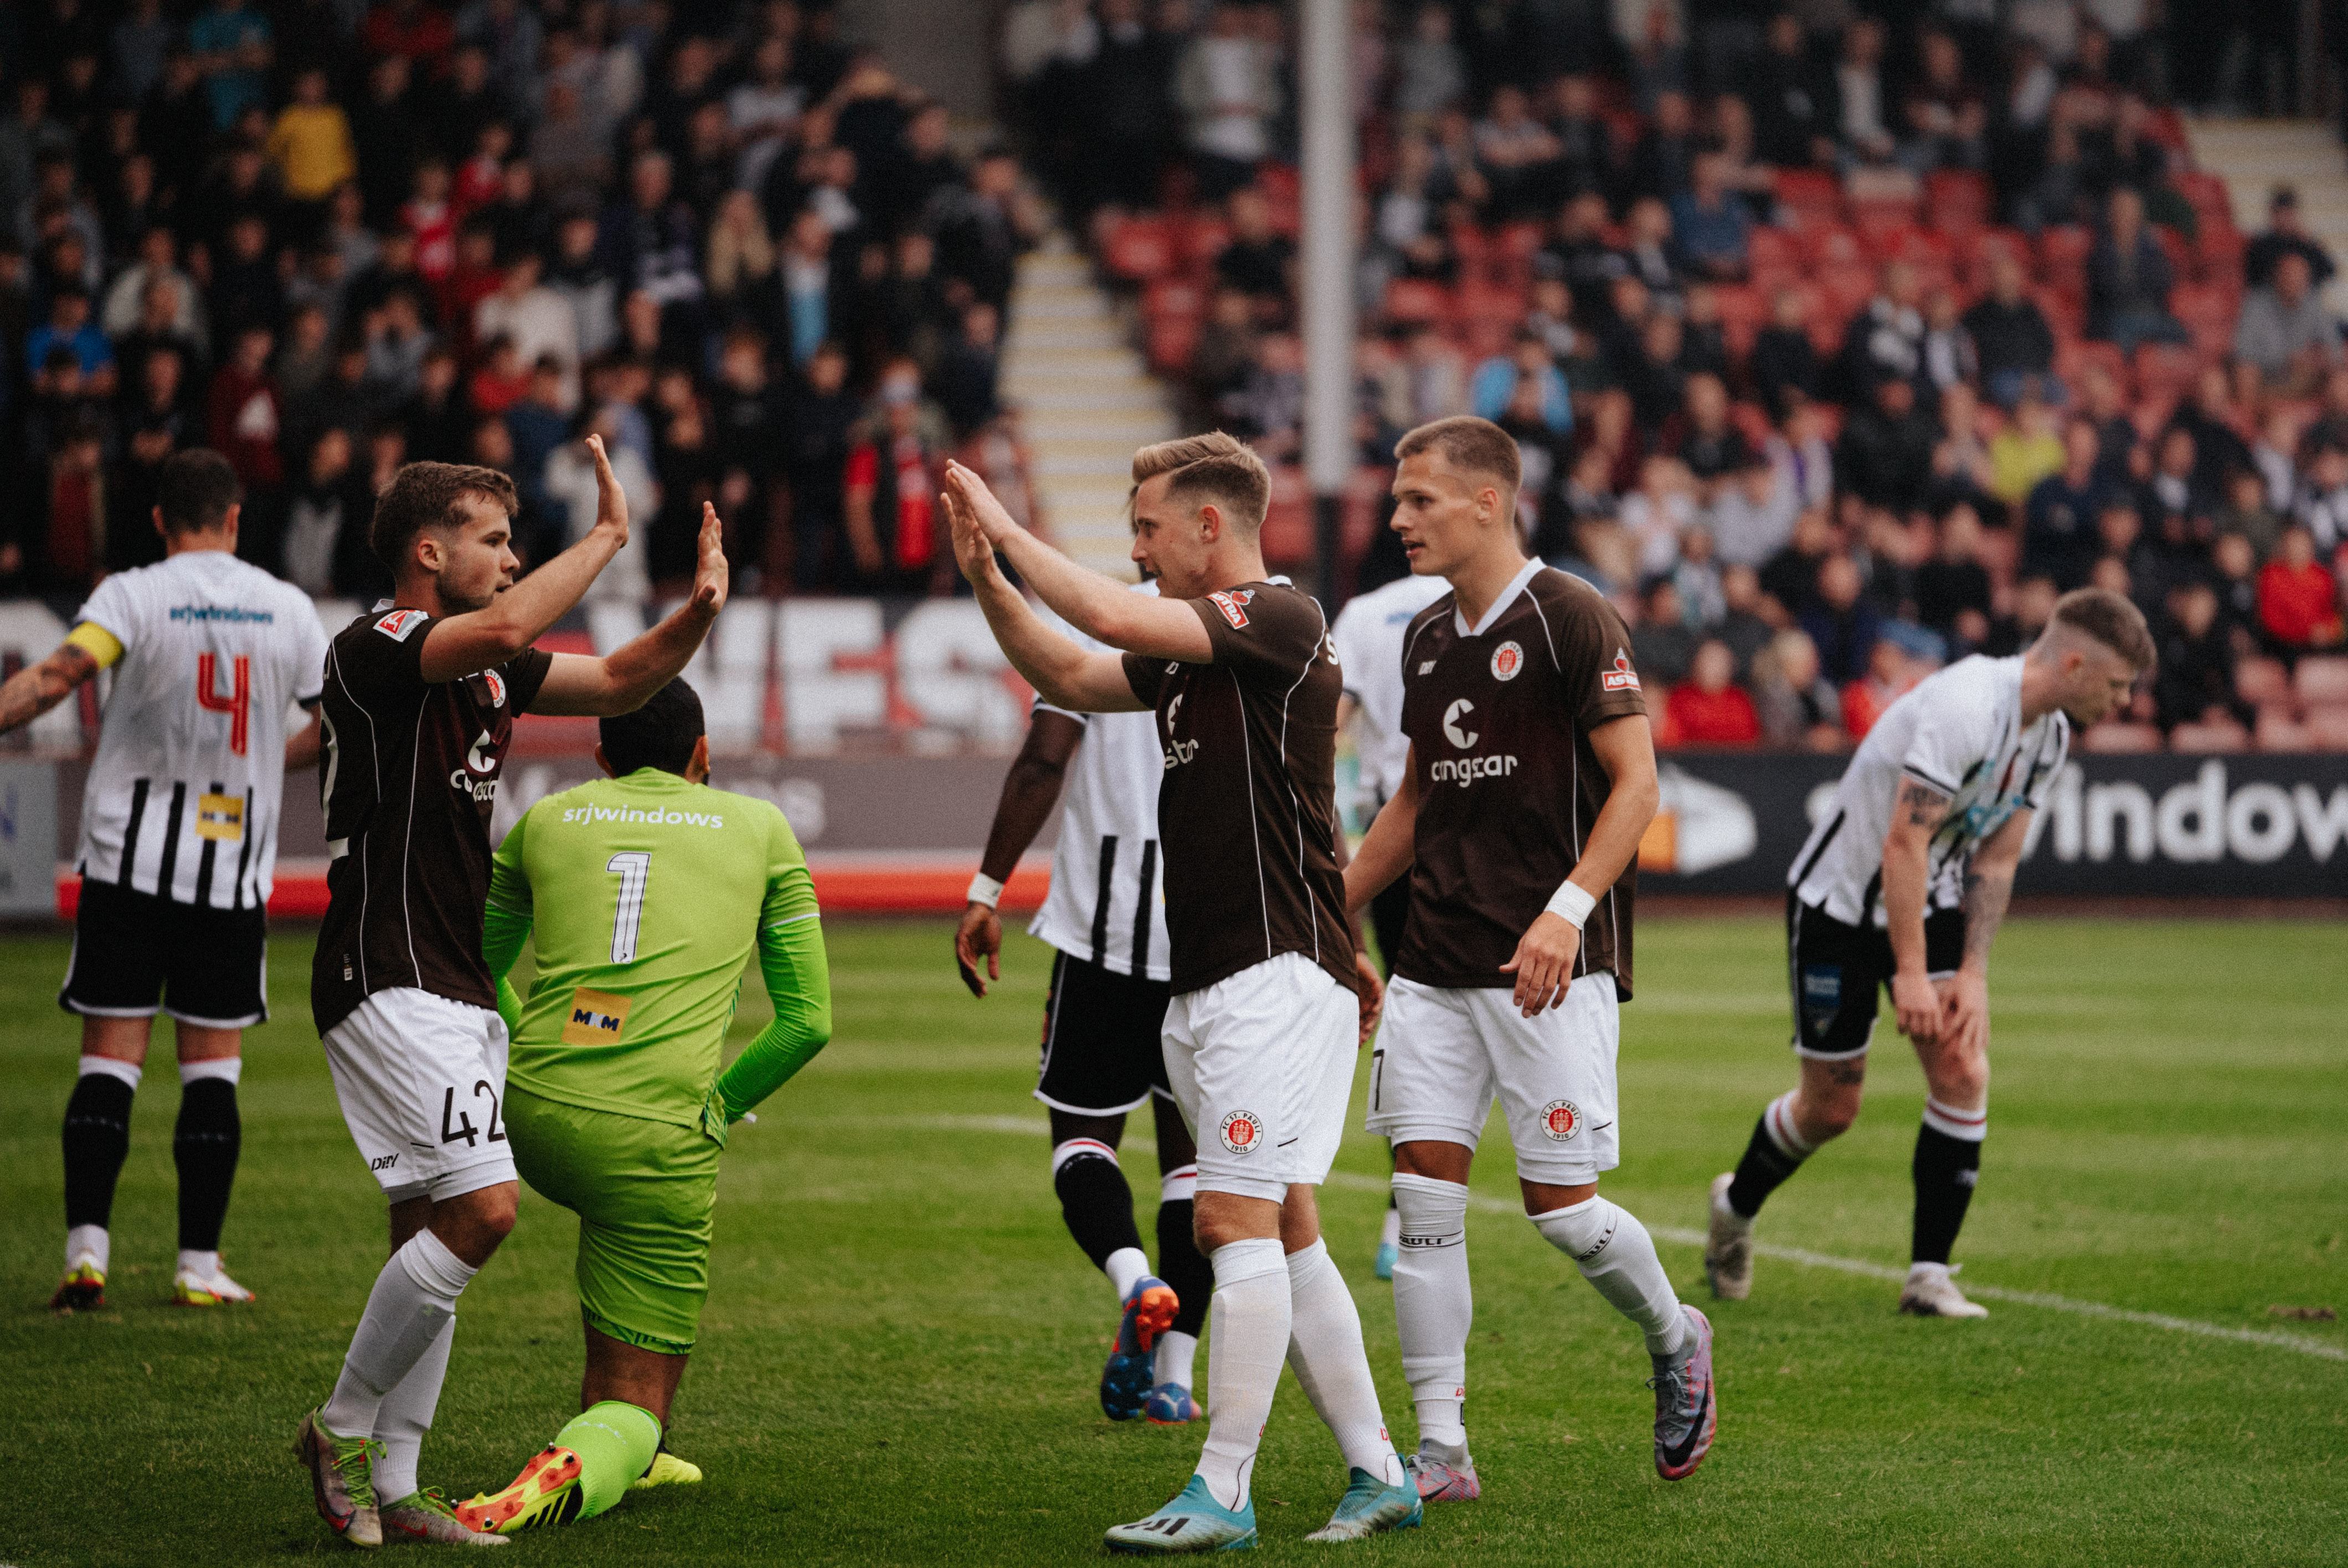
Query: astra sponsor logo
1622	677
1234	605
1465	771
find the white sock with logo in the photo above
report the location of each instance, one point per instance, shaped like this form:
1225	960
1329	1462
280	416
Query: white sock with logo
1325	1346
1244	1355
1175	1359
414	1298
92	1240
1615	1254
406	1416
1434	1308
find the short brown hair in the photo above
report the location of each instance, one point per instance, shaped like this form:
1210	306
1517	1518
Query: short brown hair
424	496
2110	619
195	489
1210	467
1475	446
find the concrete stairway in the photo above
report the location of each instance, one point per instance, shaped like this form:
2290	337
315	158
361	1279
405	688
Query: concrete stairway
1087	402
2256	154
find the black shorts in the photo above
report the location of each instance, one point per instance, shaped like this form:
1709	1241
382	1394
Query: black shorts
1835	970
1104	1054
135	955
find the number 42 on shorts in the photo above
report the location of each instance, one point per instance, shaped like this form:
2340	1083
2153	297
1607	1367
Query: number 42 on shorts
464	1119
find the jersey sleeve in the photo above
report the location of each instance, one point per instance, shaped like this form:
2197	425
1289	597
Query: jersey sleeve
113	609
1147	676
524	673
1952	738
1263	634
790	889
1352	660
309	682
381	658
1593	656
509	880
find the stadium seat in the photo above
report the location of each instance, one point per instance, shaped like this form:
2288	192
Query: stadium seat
1956	200
1416	300
2165	371
1752	422
2262	683
2278	731
1811	194
1201	240
1767	246
1172	340
2321	681
2327	728
1141	249
1173	299
2117	737
2179	249
2062	256
2220	248
2202	739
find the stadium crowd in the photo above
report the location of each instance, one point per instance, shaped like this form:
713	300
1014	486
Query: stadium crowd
1838	347
1835	351
326	237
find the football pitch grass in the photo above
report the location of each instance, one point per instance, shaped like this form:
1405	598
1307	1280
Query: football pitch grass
899	1355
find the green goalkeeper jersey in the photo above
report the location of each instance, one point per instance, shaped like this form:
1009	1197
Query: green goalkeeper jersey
647	895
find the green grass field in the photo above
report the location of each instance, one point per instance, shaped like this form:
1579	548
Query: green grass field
898	1360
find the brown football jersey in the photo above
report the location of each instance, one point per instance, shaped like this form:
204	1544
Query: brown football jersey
1247	807
1500	722
409	777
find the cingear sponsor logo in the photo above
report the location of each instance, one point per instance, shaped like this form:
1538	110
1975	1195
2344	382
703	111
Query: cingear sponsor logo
479	789
1242	1131
1465	771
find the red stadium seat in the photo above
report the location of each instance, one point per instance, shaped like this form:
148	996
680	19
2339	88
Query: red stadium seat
1828	243
1173	299
2220	249
1768	246
1201	239
2328	728
2117	737
1416	300
2201	739
1141	249
2165	371
1281	182
1814	188
1752	422
2278	731
2206	193
2321	681
2262	682
1170	343
2064	248
1956	200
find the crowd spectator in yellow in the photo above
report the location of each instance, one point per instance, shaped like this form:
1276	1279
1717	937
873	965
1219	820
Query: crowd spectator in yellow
2025	451
311	142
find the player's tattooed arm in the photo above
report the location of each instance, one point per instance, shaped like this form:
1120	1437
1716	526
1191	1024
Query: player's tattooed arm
29	694
1989	887
1917	814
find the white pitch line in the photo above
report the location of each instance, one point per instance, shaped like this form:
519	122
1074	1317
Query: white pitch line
1802	1255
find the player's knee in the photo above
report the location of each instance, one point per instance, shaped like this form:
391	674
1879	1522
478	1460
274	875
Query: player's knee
1828	1115
1962	1080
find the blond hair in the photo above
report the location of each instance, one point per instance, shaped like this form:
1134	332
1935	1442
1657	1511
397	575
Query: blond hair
1210	467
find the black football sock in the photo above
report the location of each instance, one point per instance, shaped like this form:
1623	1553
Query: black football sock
1181	1265
1774	1152
1946	1169
1095	1199
97	1140
204	1146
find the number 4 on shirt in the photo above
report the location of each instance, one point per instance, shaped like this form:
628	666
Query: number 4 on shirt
237	704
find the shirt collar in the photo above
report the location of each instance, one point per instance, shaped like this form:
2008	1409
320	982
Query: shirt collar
1508	597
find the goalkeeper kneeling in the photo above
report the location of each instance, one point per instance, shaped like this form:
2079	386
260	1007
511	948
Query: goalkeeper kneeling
646	893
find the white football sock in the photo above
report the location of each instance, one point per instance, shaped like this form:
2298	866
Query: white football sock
1125	1268
414	1296
406	1416
1615	1254
1434	1308
202	1264
1250	1316
1176	1356
227	1069
129	1073
1325	1346
1390	1232
91	1239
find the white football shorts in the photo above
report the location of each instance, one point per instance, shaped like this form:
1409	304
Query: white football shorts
1442	1057
422	1083
1263	1064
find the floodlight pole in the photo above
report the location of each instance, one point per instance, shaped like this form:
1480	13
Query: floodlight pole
1325	62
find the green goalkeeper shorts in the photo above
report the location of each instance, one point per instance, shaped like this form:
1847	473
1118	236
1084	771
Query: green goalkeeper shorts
646	1195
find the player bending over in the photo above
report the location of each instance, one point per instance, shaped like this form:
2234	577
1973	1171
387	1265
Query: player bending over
1263	1021
179	839
646	893
1105	919
1531	778
420	700
1902	885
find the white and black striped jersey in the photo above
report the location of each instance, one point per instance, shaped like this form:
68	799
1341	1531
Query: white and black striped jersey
1107	902
1959	732
183	795
1368	633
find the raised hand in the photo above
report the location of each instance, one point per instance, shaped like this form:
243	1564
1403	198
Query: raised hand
986	513
973	551
712	579
611	501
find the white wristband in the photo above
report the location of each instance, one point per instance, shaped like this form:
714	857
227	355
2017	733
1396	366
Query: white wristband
1571	905
984	889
